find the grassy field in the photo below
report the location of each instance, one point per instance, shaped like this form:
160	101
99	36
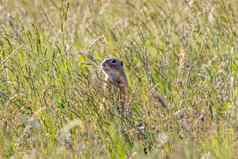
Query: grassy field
51	98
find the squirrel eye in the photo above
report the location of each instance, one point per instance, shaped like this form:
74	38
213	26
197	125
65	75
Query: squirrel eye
113	61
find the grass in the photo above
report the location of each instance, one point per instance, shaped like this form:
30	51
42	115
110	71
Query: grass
51	89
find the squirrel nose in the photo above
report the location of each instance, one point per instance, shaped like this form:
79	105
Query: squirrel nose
104	65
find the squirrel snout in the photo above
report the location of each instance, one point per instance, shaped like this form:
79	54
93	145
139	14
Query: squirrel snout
104	64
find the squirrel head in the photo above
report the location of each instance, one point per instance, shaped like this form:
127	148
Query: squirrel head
113	68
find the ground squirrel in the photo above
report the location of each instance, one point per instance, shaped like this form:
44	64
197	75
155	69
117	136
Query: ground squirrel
115	76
